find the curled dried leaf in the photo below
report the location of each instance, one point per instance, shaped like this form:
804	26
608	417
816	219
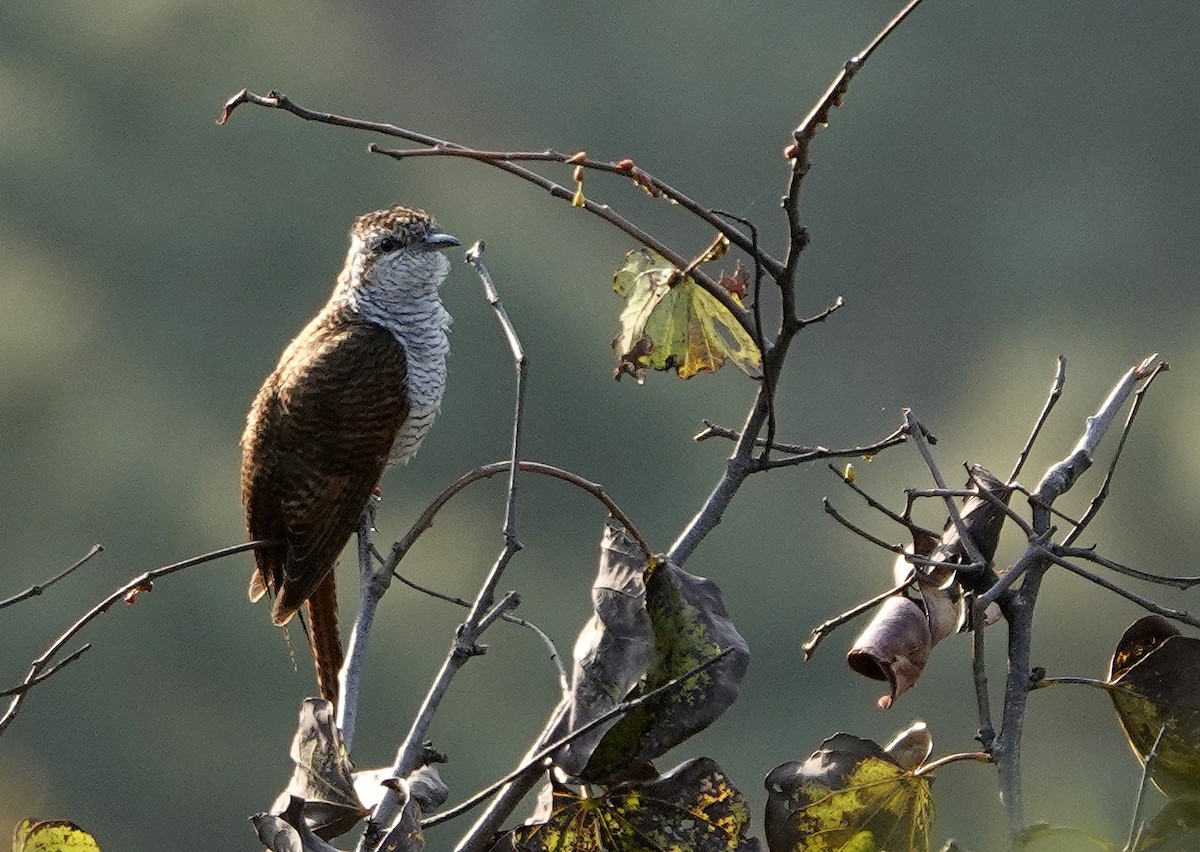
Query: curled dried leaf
893	647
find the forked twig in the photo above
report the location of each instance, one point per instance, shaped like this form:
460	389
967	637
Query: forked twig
39	588
139	584
1093	508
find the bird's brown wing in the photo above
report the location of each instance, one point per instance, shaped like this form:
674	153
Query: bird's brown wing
316	442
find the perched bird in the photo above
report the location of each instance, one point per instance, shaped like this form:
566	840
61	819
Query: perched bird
358	388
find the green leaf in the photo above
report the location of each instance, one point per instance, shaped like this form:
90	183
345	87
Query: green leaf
694	808
849	796
671	322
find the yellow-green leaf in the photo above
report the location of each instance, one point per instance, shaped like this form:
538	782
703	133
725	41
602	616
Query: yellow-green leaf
671	322
693	807
849	796
52	836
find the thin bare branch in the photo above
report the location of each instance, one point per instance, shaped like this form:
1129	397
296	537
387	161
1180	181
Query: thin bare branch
425	521
485	609
760	340
1091	556
373	583
38	588
128	592
1145	603
899	550
821	316
1056	389
918	433
555	657
651	184
916	530
983	703
819	115
277	100
818	453
825	628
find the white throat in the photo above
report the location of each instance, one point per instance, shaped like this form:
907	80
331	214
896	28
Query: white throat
399	291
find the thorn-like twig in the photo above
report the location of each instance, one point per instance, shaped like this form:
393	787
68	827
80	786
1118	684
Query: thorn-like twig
1056	389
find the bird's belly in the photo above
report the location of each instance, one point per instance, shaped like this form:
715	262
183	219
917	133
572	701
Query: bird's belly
413	432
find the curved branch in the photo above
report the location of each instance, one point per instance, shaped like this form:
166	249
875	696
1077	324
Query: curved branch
423	523
278	100
625	168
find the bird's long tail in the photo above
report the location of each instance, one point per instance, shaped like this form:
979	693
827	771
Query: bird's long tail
324	638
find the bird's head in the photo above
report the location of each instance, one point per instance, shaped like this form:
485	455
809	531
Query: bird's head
395	255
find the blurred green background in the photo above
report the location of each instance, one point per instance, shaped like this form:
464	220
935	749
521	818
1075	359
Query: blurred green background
1006	182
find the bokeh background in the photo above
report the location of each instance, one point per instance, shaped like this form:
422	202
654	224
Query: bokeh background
1006	183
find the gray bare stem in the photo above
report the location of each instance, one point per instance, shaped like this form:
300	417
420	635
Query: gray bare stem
1018	605
1135	823
483	612
373	583
987	732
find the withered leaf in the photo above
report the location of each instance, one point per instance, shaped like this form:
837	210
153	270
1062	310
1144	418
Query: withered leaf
690	625
287	830
322	774
1154	680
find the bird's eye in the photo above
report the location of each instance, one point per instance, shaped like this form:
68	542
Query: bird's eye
389	244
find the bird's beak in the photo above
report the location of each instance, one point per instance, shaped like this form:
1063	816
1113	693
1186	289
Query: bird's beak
441	241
